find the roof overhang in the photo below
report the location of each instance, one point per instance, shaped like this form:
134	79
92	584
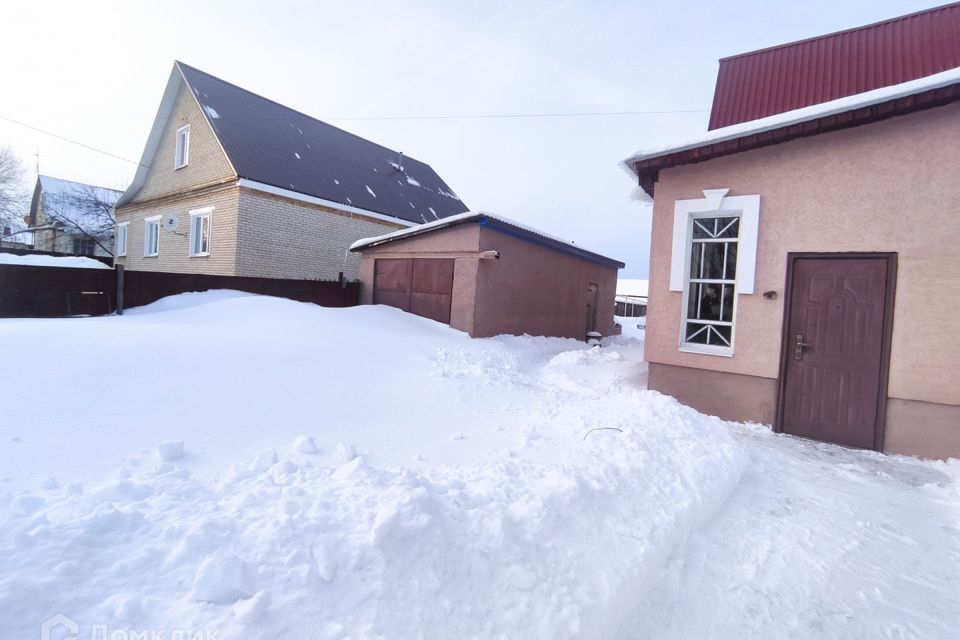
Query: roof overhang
497	223
872	106
167	104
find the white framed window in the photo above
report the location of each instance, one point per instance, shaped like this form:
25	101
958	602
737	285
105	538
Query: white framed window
182	154
710	285
151	236
713	262
200	232
121	241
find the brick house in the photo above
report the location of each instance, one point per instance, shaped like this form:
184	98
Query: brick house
232	183
804	250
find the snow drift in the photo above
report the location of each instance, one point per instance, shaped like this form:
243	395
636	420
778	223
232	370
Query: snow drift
352	511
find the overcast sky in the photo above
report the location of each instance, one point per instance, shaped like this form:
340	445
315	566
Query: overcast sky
94	72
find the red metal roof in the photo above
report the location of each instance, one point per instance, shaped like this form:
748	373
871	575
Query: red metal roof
790	76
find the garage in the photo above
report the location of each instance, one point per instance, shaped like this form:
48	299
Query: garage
422	286
487	275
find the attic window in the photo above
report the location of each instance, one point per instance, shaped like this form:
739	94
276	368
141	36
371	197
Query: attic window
182	155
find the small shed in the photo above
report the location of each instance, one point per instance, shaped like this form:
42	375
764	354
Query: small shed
487	275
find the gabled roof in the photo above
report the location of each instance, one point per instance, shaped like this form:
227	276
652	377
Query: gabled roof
871	106
74	201
791	76
497	223
271	144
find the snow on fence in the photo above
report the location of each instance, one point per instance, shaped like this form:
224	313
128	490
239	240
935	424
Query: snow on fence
50	292
107	260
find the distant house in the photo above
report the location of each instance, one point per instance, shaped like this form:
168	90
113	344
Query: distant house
804	253
631	301
14	234
72	217
487	275
232	183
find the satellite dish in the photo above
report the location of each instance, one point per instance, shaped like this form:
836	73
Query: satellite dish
170	222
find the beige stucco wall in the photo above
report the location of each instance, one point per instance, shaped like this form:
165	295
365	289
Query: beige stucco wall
207	163
283	238
889	186
174	251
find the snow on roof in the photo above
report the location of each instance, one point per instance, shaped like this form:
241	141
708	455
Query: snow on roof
75	200
476	216
633	287
797	116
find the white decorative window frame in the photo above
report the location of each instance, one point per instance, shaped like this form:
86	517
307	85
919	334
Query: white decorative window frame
715	202
123	233
181	150
200	214
146	236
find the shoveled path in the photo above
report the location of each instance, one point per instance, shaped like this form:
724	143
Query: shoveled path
818	541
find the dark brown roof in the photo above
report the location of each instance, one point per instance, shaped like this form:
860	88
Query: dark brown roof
798	74
272	144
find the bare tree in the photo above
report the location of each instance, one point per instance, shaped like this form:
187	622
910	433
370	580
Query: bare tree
13	195
85	210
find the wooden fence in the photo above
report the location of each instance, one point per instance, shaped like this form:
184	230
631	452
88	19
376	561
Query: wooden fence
52	292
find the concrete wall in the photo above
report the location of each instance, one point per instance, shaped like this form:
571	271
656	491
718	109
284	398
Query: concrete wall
283	238
536	290
888	186
530	289
174	254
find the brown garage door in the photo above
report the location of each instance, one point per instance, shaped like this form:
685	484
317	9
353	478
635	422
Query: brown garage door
423	286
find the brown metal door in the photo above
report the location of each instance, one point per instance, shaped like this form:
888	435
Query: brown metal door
423	286
431	292
833	373
391	282
592	292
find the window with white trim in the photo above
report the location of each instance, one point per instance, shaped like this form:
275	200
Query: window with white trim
200	232
710	285
713	263
121	241
151	236
182	154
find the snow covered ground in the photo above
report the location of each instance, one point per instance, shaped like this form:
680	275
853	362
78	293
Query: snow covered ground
261	468
40	260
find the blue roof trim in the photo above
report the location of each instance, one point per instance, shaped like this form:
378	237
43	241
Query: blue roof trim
546	242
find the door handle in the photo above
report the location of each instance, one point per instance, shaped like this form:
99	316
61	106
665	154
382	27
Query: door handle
798	346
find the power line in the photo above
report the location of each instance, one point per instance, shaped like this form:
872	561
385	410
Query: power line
523	115
65	139
485	116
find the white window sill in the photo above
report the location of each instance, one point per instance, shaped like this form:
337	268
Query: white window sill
151	255
706	350
200	255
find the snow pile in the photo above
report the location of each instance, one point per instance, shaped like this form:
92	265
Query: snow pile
39	260
509	487
364	473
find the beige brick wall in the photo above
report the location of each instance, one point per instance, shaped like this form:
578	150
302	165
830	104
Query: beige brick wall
207	163
174	247
284	238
